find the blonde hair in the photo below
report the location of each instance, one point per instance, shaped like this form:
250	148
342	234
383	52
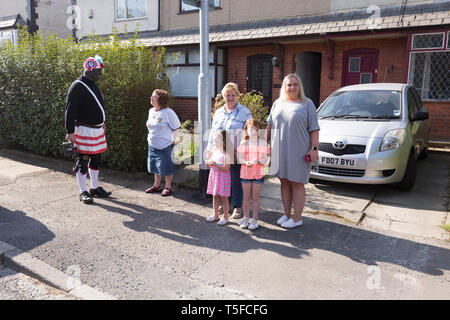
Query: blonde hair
301	92
230	86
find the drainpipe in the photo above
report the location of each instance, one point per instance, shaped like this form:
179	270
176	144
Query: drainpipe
74	25
159	15
32	16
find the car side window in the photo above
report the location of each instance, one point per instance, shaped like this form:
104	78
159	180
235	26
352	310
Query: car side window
412	103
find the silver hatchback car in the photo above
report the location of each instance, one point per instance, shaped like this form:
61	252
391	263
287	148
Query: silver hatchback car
372	134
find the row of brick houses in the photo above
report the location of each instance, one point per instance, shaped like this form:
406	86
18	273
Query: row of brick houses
329	43
402	44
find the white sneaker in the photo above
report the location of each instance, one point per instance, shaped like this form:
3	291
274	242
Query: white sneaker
222	222
212	218
253	225
244	223
291	224
282	220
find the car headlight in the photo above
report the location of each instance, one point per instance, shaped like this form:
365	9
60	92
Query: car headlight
392	139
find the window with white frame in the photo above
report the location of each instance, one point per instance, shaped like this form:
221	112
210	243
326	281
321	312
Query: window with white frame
8	36
184	69
186	7
131	9
429	65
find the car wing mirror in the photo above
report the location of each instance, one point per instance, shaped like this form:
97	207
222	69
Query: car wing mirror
420	115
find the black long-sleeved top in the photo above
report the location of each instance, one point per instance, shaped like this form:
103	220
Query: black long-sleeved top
81	105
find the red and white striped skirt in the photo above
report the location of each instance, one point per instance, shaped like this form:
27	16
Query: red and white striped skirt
90	140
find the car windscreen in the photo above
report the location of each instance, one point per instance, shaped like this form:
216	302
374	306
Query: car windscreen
370	104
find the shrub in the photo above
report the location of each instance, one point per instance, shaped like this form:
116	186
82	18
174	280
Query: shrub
34	79
188	125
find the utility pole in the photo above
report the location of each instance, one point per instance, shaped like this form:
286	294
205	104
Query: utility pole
32	16
204	95
204	101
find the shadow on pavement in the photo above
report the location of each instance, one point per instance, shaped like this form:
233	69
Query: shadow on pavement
21	231
186	227
359	245
432	182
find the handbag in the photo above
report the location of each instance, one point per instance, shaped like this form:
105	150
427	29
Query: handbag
68	148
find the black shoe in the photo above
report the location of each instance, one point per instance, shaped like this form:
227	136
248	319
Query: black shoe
86	197
100	192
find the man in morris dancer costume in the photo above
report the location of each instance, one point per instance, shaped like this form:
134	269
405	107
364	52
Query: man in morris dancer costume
85	126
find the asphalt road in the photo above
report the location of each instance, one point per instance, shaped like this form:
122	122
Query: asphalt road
143	246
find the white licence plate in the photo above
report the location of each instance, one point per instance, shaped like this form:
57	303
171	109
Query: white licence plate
337	162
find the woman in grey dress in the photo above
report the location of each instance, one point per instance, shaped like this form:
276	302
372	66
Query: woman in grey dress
293	130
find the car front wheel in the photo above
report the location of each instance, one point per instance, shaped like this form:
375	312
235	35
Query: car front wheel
424	154
409	178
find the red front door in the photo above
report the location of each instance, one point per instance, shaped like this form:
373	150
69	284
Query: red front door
360	66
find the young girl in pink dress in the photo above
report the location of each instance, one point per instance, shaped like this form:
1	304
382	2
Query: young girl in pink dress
219	181
252	154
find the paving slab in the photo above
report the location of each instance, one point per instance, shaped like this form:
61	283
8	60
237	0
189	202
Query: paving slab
13	169
346	202
25	263
405	220
17	286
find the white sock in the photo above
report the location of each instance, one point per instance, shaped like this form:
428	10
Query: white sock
94	178
81	181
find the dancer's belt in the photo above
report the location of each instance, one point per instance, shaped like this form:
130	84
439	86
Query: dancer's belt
88	125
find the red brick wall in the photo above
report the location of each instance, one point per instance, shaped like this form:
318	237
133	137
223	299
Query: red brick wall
439	119
187	108
391	52
237	64
392	56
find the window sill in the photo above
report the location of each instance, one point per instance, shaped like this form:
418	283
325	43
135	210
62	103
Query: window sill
131	19
197	10
190	97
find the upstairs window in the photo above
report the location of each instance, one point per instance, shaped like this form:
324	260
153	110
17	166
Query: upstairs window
186	7
131	9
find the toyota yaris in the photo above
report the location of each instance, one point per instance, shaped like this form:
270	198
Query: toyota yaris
372	134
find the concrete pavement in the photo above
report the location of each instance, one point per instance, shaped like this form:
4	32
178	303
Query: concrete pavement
358	242
17	286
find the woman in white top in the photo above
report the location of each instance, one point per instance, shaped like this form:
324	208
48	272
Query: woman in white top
163	125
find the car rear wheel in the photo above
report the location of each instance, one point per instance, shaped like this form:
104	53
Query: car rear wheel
409	178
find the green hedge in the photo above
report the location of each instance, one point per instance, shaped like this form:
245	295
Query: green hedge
35	76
